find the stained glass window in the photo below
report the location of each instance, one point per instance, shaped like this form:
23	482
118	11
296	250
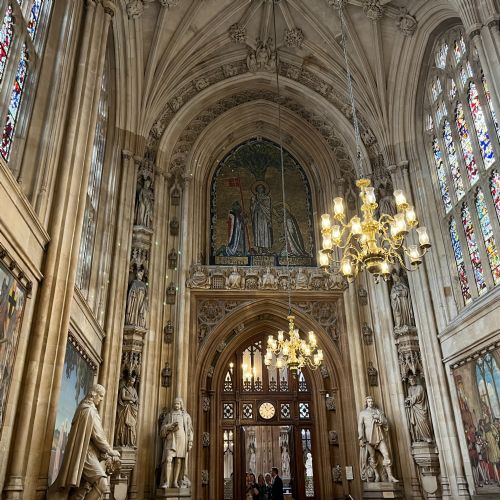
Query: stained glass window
489	240
15	102
6	33
495	191
459	260
481	128
463	132
453	160
490	104
464	88
443	185
441	55
471	239
436	89
34	17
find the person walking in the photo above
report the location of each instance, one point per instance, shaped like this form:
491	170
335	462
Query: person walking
277	488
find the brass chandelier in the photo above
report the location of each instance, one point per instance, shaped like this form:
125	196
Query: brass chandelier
368	242
289	350
292	351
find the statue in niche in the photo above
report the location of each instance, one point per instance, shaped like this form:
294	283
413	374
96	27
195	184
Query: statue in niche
418	411
372	375
174	226
373	437
386	203
166	375
260	208
137	301
401	302
128	408
285	462
177	434
301	280
268	281
199	279
234	279
252	458
144	204
171	293
82	475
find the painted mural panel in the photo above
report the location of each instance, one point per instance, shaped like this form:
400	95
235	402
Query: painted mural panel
77	378
250	224
12	299
478	388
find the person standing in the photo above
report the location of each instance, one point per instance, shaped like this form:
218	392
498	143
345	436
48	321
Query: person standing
277	488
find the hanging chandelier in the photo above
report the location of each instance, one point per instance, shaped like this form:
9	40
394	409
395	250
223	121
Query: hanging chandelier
292	351
368	242
289	350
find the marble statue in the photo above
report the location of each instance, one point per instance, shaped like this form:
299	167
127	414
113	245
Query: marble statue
301	280
177	433
268	280
401	302
144	205
285	462
199	279
373	438
137	301
128	408
82	475
418	411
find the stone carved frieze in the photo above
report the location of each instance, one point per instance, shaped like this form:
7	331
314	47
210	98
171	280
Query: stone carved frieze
262	278
263	57
211	312
294	37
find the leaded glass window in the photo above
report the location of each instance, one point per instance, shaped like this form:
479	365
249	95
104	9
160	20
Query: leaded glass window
463	145
21	47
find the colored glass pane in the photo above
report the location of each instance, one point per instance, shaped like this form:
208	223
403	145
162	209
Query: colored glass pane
463	132
470	237
436	89
429	124
441	111
495	191
441	174
453	89
35	10
15	102
489	240
490	104
441	55
463	76
470	74
6	33
457	50
453	161
459	260
481	127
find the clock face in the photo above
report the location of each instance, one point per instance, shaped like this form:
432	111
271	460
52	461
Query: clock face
267	410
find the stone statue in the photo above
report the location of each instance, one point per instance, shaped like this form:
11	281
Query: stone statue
418	411
301	280
144	204
177	432
126	419
268	280
285	462
82	475
234	279
137	301
199	279
387	203
401	303
372	435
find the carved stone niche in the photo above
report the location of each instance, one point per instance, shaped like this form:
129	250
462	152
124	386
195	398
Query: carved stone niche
171	293
174	227
363	296
166	376
175	196
333	438
205	439
330	403
172	259
168	332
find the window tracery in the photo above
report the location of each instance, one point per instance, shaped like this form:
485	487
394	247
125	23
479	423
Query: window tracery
463	133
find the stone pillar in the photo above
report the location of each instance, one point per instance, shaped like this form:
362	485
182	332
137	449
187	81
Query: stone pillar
27	473
441	474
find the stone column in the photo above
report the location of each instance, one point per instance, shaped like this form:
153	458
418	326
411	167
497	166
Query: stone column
27	473
419	354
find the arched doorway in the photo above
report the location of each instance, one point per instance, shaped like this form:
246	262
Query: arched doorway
242	408
266	422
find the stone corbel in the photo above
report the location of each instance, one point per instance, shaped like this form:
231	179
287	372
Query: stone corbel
119	480
426	457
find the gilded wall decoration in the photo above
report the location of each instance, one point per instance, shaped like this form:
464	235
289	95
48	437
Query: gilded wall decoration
12	300
250	225
478	389
77	379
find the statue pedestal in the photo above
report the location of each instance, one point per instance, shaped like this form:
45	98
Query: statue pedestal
382	490
173	493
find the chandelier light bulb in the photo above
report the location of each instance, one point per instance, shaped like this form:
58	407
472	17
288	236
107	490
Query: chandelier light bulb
320	354
336	232
286	350
338	206
415	256
400	198
327	243
279	362
324	261
385	269
280	335
356	225
325	221
400	223
423	237
347	268
370	195
411	216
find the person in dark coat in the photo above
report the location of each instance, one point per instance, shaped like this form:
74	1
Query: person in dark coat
277	488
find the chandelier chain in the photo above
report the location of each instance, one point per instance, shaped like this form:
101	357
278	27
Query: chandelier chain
358	164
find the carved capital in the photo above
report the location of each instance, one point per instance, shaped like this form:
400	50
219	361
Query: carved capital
135	8
373	9
109	8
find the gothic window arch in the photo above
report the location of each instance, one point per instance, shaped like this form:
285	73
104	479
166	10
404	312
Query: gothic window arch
463	143
23	34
